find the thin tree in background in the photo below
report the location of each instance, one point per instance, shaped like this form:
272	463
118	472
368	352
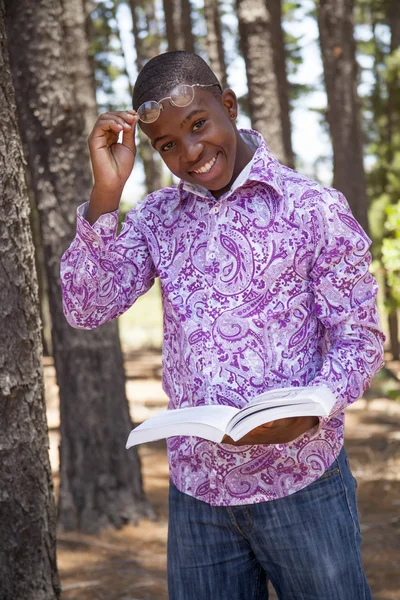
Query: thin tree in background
77	46
100	483
28	521
147	45
393	104
178	25
393	129
268	113
280	69
394	24
336	34
214	41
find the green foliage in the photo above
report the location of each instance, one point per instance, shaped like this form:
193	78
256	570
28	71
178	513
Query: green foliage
391	250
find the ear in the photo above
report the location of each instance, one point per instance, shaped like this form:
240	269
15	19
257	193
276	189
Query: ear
230	103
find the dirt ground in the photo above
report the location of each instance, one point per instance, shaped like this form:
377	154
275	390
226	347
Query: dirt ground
130	564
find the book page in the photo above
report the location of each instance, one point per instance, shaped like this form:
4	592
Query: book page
208	422
256	419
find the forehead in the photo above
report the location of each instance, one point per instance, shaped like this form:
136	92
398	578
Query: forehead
173	119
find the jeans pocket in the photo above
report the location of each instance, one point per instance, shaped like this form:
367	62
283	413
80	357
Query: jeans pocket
331	471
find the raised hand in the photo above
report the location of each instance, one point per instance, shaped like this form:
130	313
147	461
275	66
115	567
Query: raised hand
113	162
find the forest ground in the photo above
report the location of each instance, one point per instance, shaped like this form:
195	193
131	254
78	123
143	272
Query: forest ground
130	564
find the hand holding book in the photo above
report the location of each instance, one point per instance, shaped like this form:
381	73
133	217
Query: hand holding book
280	431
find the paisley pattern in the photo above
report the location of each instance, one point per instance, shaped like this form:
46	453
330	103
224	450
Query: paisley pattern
264	288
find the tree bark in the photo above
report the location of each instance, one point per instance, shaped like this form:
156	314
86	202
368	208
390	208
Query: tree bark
178	25
335	21
267	109
27	511
100	482
214	42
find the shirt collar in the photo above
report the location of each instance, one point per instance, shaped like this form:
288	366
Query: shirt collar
263	167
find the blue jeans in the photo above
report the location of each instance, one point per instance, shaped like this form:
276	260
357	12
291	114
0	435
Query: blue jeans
307	544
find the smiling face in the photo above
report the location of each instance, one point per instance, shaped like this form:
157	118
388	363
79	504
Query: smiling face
199	143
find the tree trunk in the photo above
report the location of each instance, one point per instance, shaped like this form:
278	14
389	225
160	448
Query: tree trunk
74	20
266	107
279	55
394	24
100	482
335	21
394	334
392	128
27	512
144	51
214	42
178	25
44	309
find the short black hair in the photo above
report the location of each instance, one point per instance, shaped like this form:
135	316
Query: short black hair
164	72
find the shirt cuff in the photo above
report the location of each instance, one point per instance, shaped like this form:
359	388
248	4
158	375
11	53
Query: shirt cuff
102	231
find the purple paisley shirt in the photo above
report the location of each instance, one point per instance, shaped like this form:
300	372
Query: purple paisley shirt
264	288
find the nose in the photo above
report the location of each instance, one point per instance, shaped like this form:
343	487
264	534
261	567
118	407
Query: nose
191	150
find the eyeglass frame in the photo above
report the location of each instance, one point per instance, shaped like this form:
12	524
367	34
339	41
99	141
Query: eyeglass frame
161	107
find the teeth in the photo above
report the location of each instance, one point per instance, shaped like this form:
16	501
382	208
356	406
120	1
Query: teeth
207	167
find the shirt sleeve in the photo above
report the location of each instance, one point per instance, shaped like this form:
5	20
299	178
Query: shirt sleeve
345	303
101	274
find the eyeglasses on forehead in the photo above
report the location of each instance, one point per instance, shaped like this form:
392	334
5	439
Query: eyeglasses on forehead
181	96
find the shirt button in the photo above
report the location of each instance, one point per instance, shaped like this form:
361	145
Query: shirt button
212	255
215	210
209	345
95	244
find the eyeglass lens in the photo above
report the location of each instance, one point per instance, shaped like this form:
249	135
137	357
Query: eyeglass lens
149	111
181	96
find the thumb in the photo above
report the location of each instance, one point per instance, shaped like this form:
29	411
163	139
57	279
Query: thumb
268	425
128	137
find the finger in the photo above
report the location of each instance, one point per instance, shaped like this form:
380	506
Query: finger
128	137
105	128
124	114
116	119
128	115
228	440
268	425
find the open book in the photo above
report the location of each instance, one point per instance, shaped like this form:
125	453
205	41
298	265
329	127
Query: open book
213	421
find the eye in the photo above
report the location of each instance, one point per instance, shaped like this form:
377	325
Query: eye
199	124
166	147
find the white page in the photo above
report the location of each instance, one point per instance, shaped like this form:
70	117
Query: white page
186	421
207	432
255	420
296	395
320	395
